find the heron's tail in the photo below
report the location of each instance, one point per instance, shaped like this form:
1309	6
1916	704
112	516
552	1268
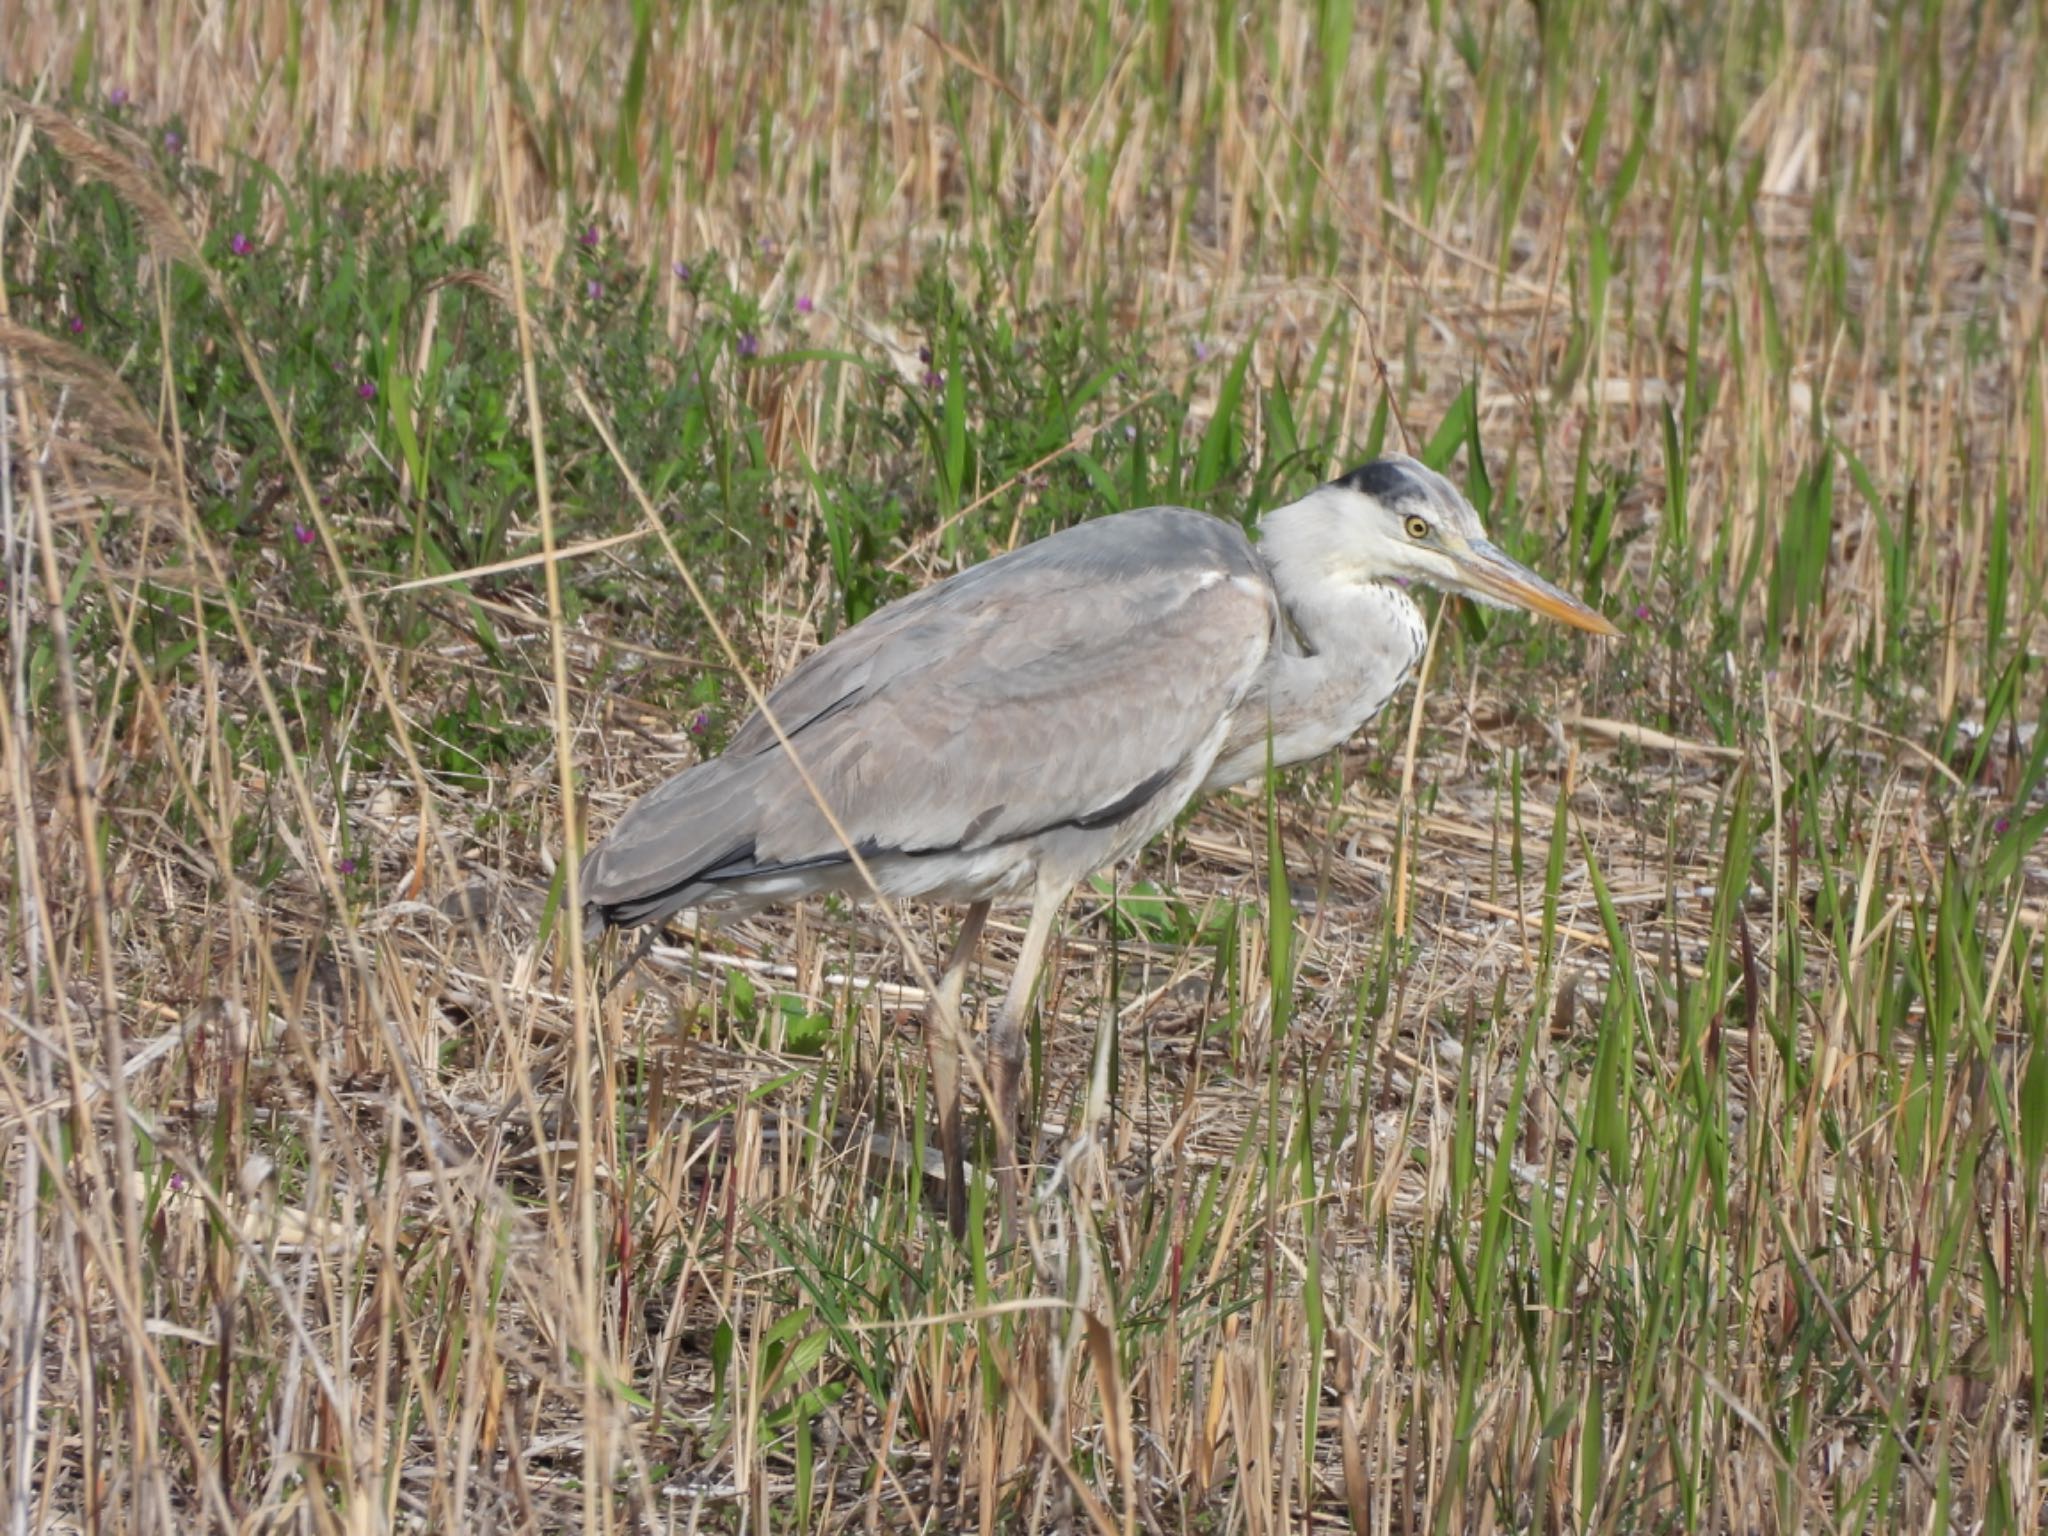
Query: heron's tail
672	846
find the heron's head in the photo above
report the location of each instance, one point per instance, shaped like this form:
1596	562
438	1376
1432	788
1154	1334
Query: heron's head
1398	520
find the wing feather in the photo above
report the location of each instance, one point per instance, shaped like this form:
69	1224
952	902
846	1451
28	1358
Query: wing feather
1062	684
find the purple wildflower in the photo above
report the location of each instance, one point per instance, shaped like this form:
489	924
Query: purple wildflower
593	289
345	866
924	354
118	96
367	390
699	723
173	140
803	303
241	244
302	533
749	345
590	235
1130	431
681	270
76	324
933	378
1642	612
2002	826
1202	350
768	246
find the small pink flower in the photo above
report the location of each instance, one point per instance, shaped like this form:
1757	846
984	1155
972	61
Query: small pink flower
241	244
590	235
681	270
345	866
933	378
367	390
1642	612
699	723
302	533
593	289
1202	351
173	140
803	303
75	324
750	345
118	96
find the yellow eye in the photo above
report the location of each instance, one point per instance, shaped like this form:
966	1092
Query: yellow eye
1417	526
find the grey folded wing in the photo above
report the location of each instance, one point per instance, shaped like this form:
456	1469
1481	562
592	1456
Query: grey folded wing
1063	684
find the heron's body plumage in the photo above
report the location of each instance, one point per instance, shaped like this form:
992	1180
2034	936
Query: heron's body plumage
1152	626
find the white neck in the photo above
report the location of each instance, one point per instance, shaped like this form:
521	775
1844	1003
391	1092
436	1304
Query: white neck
1359	640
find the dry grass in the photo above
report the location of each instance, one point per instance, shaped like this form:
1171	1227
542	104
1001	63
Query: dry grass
1680	1169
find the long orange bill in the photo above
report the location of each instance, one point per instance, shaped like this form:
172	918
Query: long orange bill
1490	574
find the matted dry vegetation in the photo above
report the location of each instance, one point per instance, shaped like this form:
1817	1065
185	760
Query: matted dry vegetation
1646	1128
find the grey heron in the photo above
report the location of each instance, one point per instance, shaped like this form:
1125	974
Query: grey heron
1009	731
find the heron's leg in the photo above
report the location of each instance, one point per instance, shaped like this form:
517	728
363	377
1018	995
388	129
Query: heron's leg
1006	1051
944	1034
